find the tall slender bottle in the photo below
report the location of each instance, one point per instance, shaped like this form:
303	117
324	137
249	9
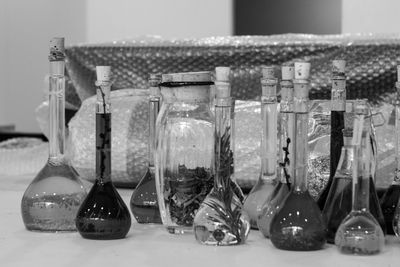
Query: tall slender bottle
262	190
103	214
220	219
360	233
338	108
298	224
144	203
391	198
286	133
51	201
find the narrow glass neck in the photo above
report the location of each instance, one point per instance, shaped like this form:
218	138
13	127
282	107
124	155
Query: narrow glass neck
223	153
269	138
103	133
346	161
301	151
397	144
338	95
154	107
57	113
361	181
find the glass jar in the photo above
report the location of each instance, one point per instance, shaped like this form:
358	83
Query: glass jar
184	148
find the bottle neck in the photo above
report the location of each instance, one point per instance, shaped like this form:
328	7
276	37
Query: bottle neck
223	158
103	133
154	108
338	93
286	153
361	178
301	151
346	161
396	179
57	112
268	139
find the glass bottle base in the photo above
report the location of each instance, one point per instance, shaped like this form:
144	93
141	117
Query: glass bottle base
298	241
178	230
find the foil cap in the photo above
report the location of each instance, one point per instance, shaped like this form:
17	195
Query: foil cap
103	73
287	72
57	49
302	70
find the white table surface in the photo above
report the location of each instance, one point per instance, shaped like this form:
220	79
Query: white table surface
148	245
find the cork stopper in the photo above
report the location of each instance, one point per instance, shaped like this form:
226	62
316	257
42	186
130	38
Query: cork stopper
302	70
338	66
222	74
57	49
287	72
268	72
103	73
222	85
154	81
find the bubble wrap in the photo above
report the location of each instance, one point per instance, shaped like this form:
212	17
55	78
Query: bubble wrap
371	72
129	137
371	61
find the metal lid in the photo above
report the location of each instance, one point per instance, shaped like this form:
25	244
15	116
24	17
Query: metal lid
189	77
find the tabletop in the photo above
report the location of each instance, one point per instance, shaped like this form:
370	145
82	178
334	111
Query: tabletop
151	245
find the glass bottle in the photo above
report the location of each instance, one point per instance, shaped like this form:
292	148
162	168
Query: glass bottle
144	203
391	197
103	214
263	189
360	233
51	201
184	148
286	134
298	224
338	108
220	220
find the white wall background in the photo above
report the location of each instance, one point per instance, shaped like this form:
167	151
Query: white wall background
370	16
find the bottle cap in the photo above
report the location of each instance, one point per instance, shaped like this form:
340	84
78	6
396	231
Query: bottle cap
338	66
222	74
287	72
194	77
302	70
57	49
103	73
268	72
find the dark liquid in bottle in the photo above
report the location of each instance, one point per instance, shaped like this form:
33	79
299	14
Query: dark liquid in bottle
339	204
388	205
298	225
144	203
337	125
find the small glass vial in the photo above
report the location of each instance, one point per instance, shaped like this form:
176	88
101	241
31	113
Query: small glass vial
360	233
184	148
299	225
263	189
286	152
220	220
103	214
144	203
51	201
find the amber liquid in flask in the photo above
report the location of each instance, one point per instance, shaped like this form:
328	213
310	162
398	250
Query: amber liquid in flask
103	214
299	225
144	203
51	201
